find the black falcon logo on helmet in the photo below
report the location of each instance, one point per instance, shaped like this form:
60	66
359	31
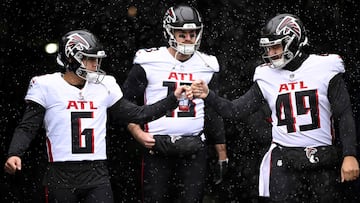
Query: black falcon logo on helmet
170	16
75	42
287	25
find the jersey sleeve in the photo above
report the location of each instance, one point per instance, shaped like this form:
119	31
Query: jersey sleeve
259	72
114	90
140	56
209	60
35	91
336	65
148	55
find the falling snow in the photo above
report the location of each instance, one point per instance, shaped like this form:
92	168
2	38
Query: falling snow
231	33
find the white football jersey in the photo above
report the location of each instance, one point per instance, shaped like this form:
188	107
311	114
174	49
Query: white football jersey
75	119
163	72
301	112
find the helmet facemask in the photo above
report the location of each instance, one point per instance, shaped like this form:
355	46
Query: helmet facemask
279	60
186	49
91	76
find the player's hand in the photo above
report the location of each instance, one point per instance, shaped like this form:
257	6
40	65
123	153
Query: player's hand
12	164
349	169
144	138
183	89
200	89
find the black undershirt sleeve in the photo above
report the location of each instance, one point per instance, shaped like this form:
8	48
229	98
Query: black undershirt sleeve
135	84
214	124
128	112
239	108
27	129
342	113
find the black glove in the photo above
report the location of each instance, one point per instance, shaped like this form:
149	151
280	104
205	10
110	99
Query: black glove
220	170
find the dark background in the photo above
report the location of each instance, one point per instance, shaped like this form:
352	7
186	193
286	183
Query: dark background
231	33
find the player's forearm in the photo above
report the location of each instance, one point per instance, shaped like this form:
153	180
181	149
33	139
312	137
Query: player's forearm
347	134
134	129
221	151
239	108
19	143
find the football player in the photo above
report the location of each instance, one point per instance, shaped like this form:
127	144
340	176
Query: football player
72	106
176	143
307	95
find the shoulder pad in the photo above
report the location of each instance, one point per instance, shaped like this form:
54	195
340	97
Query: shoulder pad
148	55
209	60
338	62
334	61
261	69
111	85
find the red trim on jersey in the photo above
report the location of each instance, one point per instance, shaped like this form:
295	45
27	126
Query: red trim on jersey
92	137
146	125
79	133
194	107
92	142
318	109
332	130
46	194
268	119
173	111
292	114
50	157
